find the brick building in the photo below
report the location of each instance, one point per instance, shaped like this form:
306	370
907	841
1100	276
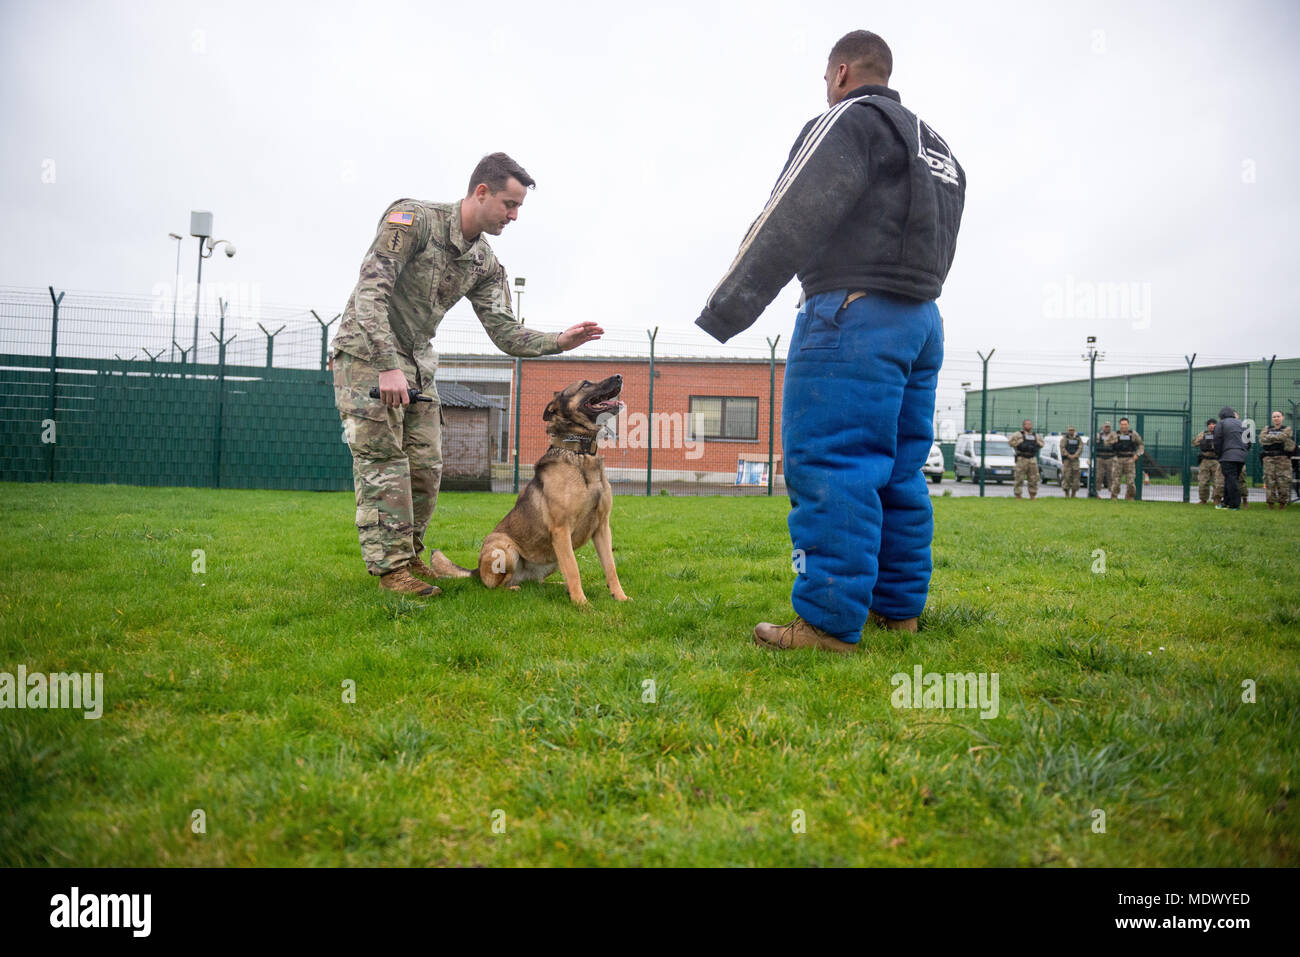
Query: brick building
708	414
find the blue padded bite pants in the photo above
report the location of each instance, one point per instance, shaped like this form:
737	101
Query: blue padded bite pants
856	427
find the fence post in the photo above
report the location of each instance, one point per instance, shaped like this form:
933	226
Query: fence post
771	415
324	338
1187	439
153	361
519	398
184	352
984	409
54	374
222	342
270	341
650	414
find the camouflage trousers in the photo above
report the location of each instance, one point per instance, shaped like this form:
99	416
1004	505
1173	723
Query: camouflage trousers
1277	479
1026	472
1207	478
1124	472
1243	485
1105	466
1069	477
396	464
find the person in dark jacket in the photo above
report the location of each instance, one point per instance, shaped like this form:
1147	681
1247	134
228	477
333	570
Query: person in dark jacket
1230	445
866	213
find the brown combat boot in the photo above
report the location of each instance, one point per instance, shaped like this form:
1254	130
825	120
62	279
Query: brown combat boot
401	581
797	634
420	570
891	624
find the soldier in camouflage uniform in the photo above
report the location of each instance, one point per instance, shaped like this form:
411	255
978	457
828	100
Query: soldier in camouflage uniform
424	259
1071	450
1103	458
1128	448
1026	445
1276	445
1207	465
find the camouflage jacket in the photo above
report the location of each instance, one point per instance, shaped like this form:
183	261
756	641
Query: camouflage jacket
1019	436
1141	449
1279	436
417	268
1203	455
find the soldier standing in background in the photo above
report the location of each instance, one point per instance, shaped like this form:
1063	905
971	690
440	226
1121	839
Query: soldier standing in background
1103	458
1275	446
1026	445
1207	465
1071	449
1128	449
425	258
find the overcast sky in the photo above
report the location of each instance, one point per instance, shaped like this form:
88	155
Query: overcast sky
1109	147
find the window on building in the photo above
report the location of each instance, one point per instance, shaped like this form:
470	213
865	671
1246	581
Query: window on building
723	417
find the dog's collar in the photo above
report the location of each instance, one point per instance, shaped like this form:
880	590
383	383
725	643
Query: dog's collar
586	444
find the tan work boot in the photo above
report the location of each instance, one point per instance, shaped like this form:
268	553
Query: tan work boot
891	624
797	634
420	570
401	581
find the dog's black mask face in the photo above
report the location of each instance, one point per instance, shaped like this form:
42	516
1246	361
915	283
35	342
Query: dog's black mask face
579	408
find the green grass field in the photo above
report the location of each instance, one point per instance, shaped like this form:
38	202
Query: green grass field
1120	692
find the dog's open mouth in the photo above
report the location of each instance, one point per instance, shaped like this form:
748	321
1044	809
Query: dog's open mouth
604	399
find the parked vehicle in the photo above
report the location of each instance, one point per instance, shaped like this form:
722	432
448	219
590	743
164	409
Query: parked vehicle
933	467
1049	460
999	459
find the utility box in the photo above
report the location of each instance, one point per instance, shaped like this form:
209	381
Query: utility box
200	223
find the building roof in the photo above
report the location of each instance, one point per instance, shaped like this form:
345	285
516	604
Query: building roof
461	397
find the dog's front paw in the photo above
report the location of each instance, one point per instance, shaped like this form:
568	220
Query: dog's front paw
619	596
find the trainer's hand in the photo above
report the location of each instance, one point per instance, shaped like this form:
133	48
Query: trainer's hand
575	336
392	388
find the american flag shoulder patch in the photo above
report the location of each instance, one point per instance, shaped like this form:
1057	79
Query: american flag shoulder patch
401	219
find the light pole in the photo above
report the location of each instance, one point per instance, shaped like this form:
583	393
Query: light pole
201	227
520	282
1092	355
176	288
984	403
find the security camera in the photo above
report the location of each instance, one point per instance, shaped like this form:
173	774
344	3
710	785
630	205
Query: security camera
230	250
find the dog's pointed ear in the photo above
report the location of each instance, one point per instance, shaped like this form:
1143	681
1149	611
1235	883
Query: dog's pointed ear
552	408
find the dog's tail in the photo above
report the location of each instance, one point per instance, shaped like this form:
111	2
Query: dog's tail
444	567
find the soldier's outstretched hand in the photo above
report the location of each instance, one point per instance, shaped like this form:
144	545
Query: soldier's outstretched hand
575	336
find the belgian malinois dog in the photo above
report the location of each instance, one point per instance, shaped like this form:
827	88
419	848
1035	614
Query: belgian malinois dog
566	504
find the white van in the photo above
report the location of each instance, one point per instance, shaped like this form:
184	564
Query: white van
1049	460
933	467
999	459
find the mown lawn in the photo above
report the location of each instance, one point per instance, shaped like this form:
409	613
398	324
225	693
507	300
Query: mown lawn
1120	692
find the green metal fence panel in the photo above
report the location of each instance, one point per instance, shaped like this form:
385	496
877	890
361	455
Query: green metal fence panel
141	423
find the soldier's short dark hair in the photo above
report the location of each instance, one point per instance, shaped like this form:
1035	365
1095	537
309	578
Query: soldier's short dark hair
1209	422
1123	418
866	51
495	170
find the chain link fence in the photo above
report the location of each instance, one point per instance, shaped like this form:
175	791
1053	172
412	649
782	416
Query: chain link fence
141	390
1167	408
